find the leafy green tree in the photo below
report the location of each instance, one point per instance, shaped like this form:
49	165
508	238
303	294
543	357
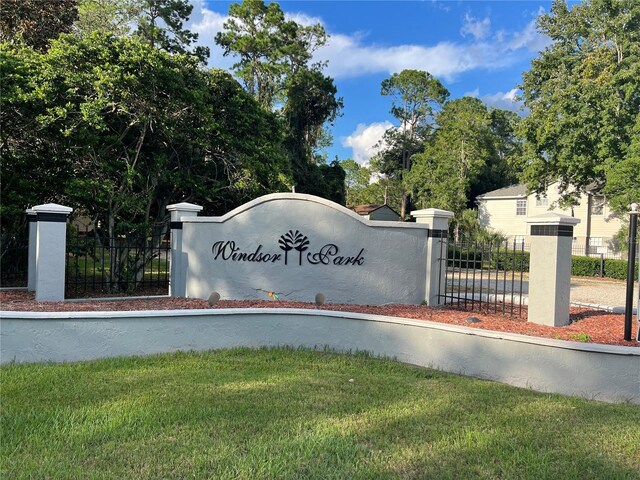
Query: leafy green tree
161	23
107	16
500	169
131	128
415	97
333	177
36	22
460	148
270	48
29	167
583	92
274	55
357	180
311	101
470	153
361	190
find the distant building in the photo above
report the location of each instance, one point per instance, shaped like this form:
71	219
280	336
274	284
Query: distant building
507	209
376	212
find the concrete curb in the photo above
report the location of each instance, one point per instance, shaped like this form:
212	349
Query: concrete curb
604	372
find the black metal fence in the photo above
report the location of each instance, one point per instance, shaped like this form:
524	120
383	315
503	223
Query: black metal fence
134	264
484	276
583	251
14	262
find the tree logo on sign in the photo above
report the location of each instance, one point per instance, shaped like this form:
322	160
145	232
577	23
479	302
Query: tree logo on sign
293	241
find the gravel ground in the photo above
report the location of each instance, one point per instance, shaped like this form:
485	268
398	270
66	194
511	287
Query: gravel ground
599	291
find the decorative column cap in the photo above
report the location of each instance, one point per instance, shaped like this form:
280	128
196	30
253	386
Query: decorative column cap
432	213
51	208
184	207
552	219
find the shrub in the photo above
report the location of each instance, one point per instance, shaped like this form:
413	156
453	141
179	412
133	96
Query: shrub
511	260
618	269
585	266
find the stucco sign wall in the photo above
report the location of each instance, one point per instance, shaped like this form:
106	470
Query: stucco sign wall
298	245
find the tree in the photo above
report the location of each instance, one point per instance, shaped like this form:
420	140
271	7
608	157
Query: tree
160	22
270	48
311	101
501	165
131	128
30	168
461	146
357	180
274	55
106	16
623	178
583	93
470	153
36	22
416	94
365	186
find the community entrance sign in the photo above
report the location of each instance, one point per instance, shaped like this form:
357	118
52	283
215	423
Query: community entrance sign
328	254
296	246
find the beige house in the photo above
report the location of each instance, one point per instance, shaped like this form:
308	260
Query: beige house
376	212
507	209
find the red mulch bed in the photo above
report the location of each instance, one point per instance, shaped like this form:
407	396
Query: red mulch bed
599	326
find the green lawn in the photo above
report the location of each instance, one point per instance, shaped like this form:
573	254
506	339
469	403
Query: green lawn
282	413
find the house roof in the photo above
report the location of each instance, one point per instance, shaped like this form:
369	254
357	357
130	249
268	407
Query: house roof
368	209
520	191
511	191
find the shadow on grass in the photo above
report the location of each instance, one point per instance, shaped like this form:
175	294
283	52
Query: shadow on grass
285	413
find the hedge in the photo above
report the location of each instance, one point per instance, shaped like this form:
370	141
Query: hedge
580	266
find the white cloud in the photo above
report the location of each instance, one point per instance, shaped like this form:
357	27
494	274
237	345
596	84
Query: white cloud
474	93
207	23
351	55
302	18
502	100
479	29
529	38
364	139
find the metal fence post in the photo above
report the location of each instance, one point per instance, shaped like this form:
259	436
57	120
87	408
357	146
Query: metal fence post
631	267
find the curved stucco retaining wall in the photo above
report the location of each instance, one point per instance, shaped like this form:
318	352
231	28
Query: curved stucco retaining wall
609	373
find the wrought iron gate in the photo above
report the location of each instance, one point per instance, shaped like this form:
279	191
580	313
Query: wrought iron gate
484	276
132	264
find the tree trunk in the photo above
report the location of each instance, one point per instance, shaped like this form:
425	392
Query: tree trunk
403	206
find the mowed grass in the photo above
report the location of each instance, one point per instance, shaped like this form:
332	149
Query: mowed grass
284	413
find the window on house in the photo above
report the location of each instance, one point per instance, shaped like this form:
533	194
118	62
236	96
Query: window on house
521	207
542	201
597	205
595	242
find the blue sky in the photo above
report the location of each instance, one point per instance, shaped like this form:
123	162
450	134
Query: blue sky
477	48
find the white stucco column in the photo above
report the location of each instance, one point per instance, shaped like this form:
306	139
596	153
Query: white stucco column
550	268
438	223
51	238
31	264
178	280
